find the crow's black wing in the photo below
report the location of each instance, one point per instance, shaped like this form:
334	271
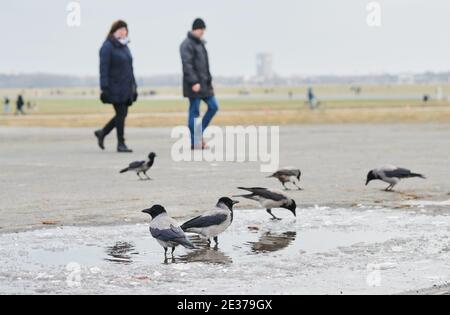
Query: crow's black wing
174	235
398	173
286	173
168	235
204	221
265	193
136	165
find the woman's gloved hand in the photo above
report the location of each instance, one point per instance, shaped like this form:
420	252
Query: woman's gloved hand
104	97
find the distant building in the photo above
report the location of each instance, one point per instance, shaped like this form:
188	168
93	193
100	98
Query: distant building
264	67
406	78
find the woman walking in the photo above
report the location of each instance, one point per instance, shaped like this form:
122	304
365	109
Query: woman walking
117	82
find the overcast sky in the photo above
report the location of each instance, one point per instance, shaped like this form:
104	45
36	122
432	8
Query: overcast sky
306	37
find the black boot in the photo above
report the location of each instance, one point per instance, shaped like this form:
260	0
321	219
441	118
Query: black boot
101	139
122	148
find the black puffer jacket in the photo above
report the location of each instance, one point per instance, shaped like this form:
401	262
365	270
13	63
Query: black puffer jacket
117	80
195	67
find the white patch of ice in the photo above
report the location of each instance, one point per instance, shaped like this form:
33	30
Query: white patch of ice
427	203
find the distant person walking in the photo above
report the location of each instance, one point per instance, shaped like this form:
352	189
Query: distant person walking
197	82
117	82
6	107
312	100
19	105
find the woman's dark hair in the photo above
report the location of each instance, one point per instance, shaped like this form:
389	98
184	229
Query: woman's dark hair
116	26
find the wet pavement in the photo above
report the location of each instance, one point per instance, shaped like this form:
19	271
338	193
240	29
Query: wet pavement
326	250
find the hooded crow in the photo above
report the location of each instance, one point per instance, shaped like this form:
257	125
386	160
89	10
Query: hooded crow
212	223
166	230
141	166
391	174
270	199
288	175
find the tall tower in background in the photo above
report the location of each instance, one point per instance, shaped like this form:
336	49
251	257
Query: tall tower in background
264	66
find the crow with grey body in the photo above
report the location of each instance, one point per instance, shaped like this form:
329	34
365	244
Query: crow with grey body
166	230
269	199
288	175
141	167
212	223
392	175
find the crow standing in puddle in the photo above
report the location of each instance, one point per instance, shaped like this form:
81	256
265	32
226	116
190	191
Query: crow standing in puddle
212	223
269	199
166	230
392	175
141	167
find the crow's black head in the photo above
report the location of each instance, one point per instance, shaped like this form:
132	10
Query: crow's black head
155	211
152	156
370	177
227	202
291	206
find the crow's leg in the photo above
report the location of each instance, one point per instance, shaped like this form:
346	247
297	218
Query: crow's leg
173	250
209	242
284	185
216	240
389	189
165	252
139	175
148	177
299	188
269	211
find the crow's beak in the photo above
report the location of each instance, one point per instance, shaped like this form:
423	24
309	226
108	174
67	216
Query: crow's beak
235	202
146	211
367	183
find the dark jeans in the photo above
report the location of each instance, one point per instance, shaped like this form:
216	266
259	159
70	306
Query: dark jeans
194	113
117	122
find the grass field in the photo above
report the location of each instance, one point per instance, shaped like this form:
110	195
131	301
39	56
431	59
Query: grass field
376	104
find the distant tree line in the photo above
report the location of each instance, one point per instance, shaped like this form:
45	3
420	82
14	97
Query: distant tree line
44	80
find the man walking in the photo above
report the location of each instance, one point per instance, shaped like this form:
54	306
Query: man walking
19	105
197	82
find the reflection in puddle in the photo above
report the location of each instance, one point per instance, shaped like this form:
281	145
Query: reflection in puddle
271	242
207	255
121	253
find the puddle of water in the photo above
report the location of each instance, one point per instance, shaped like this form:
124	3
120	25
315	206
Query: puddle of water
286	238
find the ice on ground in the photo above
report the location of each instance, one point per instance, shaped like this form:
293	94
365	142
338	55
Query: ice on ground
325	251
426	203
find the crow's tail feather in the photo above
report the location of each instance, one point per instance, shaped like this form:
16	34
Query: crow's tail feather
124	170
187	244
248	196
418	175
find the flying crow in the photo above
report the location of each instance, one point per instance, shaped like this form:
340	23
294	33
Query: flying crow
212	223
270	199
141	166
391	175
166	230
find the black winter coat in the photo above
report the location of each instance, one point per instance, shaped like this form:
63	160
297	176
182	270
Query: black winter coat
117	80
195	67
